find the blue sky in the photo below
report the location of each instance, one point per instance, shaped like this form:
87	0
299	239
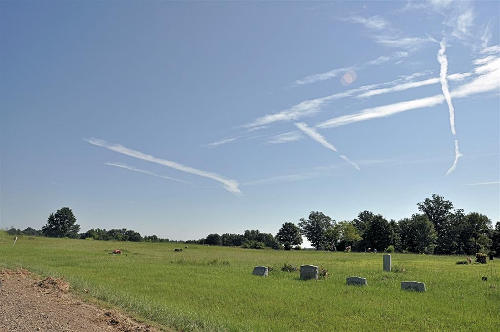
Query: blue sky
183	119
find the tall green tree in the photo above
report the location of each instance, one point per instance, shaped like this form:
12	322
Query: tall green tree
475	233
440	212
332	237
61	224
378	234
213	240
417	234
348	235
314	228
437	210
395	237
495	238
289	235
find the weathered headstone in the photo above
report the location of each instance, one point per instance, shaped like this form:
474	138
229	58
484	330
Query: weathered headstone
387	262
308	272
413	285
358	281
262	271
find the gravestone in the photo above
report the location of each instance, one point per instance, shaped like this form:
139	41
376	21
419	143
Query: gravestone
308	272
358	281
413	285
262	271
387	263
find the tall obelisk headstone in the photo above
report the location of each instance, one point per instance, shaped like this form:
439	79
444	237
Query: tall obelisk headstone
387	262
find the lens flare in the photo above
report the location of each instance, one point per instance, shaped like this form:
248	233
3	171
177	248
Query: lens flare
348	78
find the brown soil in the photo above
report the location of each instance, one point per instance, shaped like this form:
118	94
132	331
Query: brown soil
30	304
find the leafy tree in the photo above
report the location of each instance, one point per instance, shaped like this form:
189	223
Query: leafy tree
475	233
117	234
417	234
289	235
348	235
314	228
252	244
32	232
437	210
451	239
61	224
495	238
213	240
440	212
332	235
395	237
14	231
378	234
133	236
152	238
96	234
266	238
232	239
362	223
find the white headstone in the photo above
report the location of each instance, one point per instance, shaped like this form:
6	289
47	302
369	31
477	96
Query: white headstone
262	271
308	272
387	262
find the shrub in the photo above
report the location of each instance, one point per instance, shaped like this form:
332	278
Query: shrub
297	248
253	245
289	268
390	249
322	273
481	258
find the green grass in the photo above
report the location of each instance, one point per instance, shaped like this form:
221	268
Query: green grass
212	288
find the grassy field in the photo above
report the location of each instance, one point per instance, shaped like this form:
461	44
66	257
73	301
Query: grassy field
212	288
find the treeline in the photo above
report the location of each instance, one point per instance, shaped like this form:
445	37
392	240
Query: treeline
119	235
252	239
62	223
439	228
96	234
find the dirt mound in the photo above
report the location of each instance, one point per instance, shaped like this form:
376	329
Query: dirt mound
53	284
28	303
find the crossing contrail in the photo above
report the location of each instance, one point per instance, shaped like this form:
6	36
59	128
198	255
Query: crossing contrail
441	57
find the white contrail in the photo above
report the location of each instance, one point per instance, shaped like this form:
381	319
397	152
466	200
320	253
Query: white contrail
443	61
138	170
356	166
229	185
315	135
382	111
321	140
290	136
337	71
221	142
487	79
457	155
483	183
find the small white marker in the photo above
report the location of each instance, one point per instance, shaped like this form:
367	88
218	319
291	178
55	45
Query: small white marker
15	240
